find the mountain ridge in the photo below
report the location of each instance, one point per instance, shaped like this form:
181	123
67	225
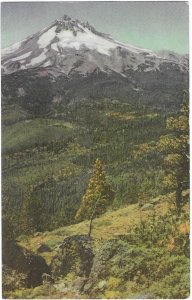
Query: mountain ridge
70	61
57	45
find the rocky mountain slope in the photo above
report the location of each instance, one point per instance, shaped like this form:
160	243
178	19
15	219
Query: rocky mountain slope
128	255
72	60
72	46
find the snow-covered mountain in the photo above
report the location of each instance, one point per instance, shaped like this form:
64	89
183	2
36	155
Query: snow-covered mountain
70	61
73	46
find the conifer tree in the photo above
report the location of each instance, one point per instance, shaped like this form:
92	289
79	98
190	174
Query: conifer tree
175	148
98	195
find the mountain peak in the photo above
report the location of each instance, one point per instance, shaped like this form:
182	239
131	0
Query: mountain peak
75	25
66	18
67	24
74	46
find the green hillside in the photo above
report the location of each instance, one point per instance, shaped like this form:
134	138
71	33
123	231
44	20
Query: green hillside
130	159
48	160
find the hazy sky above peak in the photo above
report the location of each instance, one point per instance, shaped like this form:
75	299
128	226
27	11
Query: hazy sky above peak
152	25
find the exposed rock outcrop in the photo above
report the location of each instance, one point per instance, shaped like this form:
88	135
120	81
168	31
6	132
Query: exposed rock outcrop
75	255
44	248
25	262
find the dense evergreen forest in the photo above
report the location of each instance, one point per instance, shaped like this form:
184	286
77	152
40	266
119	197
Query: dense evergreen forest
47	161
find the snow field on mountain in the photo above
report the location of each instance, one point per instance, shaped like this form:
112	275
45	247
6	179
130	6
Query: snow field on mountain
97	50
37	59
46	38
67	39
47	64
22	56
10	49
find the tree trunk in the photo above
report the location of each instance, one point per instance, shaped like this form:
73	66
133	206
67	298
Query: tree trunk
90	225
179	198
92	217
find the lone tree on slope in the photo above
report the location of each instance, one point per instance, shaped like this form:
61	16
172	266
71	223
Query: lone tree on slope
98	196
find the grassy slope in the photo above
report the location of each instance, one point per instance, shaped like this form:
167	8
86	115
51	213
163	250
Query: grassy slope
109	225
157	270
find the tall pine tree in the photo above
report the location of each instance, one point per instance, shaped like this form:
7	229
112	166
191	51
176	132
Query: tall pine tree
98	195
175	148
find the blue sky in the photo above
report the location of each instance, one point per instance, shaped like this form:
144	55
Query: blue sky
153	25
